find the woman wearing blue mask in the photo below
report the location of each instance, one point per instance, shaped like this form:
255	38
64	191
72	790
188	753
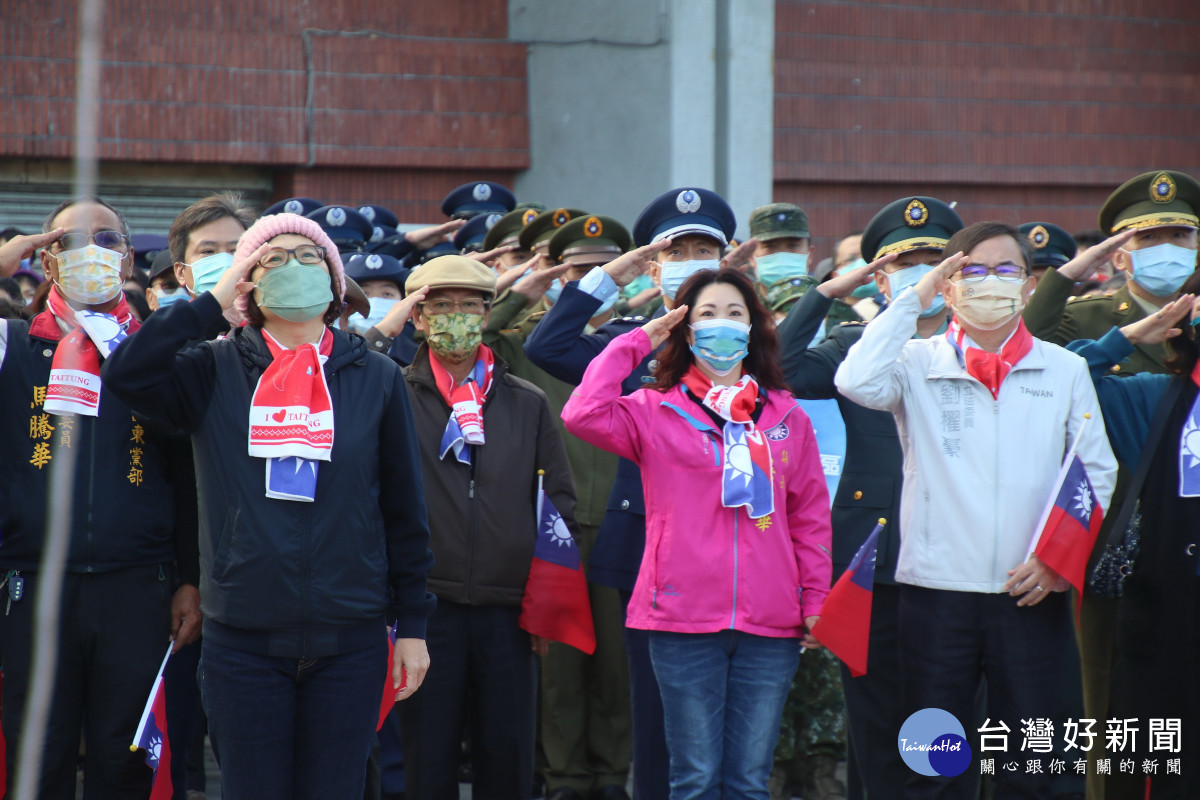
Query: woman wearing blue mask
736	562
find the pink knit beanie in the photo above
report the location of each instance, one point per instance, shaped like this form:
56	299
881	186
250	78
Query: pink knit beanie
267	228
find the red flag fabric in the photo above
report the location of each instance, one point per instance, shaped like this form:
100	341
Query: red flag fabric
845	623
1065	541
152	737
556	604
389	692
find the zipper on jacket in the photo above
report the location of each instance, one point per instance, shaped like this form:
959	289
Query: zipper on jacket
995	484
733	611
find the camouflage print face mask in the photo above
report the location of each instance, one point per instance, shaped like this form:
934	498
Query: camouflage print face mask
454	336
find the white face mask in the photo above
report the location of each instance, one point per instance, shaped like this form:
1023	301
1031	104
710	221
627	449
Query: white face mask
674	273
90	275
380	306
989	303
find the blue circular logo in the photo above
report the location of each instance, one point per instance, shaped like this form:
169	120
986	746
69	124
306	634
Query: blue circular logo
933	742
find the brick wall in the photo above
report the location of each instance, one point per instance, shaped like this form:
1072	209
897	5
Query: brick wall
385	90
1018	115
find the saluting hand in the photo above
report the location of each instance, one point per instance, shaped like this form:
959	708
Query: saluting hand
514	273
425	238
843	285
938	278
18	248
535	284
1160	326
741	257
660	327
1085	263
231	284
628	266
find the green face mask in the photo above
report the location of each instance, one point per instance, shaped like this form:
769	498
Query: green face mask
454	336
295	292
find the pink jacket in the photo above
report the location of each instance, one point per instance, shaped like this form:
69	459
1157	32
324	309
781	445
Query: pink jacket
708	568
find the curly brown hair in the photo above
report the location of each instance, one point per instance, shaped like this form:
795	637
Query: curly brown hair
762	357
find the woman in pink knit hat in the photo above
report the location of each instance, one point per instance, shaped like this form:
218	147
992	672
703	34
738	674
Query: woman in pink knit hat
306	561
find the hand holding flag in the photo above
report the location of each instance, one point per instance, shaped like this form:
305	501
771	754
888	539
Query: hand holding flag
556	604
845	624
151	735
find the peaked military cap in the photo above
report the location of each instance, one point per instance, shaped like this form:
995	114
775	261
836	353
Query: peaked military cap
478	197
470	237
910	223
1152	200
509	227
378	215
590	240
294	205
683	211
1052	246
348	229
778	221
376	267
542	227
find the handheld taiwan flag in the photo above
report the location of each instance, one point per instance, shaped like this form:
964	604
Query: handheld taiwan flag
556	604
389	692
152	735
845	623
1070	523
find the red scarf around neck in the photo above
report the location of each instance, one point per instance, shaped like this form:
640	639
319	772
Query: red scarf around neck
465	425
991	369
74	384
292	413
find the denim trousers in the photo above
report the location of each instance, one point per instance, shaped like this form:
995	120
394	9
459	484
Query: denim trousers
292	728
723	696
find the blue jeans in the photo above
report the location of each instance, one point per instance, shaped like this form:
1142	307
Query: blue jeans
723	696
289	728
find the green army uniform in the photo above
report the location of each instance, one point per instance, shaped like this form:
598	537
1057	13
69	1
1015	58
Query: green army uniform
586	726
1153	199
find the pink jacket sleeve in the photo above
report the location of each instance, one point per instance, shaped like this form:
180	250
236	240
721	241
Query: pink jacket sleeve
596	411
808	522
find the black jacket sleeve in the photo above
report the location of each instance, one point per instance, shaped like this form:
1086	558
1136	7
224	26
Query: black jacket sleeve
808	371
156	375
406	526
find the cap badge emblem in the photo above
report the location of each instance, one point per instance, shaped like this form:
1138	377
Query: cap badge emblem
561	217
293	207
336	217
374	262
1163	188
1039	237
481	192
592	228
688	202
916	214
528	216
367	212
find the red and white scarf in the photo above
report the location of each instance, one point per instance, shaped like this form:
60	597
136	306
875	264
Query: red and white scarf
746	469
465	426
291	413
990	369
74	385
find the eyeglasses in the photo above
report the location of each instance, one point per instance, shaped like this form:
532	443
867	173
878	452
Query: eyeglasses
435	307
1005	272
109	240
307	254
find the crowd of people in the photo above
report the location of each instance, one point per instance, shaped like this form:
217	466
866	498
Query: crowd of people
307	444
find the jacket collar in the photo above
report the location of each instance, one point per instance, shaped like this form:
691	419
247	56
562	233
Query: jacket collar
776	409
945	364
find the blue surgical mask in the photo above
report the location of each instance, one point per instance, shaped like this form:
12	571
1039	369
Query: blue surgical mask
207	271
776	267
636	286
166	297
1162	269
674	273
910	276
853	265
720	343
553	292
380	306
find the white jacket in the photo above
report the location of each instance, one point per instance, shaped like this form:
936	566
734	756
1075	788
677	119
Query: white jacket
978	472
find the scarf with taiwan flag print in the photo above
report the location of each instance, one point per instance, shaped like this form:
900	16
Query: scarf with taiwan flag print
74	384
291	418
746	469
465	426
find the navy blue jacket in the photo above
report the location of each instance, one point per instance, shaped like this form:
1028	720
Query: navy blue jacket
871	481
133	492
278	577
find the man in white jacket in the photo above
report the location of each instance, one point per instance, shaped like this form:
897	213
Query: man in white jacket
986	414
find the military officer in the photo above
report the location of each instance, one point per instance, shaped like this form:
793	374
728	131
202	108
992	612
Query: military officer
1052	246
911	232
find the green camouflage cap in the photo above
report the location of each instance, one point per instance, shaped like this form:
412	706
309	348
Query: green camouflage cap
782	294
1152	200
778	221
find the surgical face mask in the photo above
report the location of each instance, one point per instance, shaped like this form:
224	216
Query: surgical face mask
848	267
380	306
989	303
90	275
776	267
1162	269
674	273
553	292
208	270
295	292
636	286
720	343
901	279
454	336
168	296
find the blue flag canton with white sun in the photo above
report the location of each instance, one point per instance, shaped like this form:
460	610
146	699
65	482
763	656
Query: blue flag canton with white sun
554	542
1189	455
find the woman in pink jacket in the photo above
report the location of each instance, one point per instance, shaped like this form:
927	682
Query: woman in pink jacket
737	559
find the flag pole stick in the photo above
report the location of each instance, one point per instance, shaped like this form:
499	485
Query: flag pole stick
1062	474
137	736
541	494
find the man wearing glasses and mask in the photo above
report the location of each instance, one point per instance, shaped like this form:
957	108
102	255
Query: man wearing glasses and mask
131	564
